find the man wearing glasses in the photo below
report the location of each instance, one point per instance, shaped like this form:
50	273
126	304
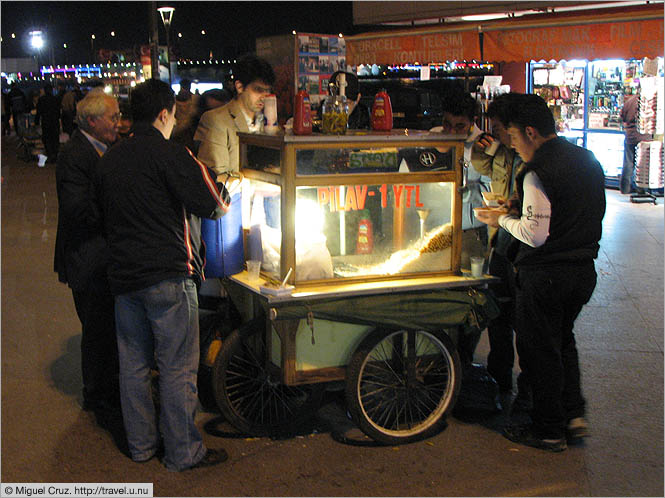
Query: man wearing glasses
81	253
459	115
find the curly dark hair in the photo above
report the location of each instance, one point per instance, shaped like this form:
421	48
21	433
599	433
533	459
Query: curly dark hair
461	104
251	68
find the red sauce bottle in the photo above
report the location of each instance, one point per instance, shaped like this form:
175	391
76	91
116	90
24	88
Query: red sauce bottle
382	112
365	241
302	119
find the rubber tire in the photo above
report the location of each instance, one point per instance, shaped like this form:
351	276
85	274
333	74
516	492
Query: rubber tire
445	402
295	404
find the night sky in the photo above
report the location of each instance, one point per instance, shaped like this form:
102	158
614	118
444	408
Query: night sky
230	27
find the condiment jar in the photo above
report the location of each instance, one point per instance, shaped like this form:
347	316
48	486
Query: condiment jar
335	115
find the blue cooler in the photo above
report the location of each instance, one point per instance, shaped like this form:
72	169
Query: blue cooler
223	241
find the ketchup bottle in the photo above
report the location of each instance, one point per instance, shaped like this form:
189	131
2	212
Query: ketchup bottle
382	112
365	241
302	119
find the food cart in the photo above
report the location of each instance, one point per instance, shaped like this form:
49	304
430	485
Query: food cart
358	237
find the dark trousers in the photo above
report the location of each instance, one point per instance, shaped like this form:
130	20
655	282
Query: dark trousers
67	122
548	300
99	348
627	181
51	140
501	357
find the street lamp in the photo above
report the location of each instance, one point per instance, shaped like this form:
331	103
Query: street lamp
37	42
167	17
92	46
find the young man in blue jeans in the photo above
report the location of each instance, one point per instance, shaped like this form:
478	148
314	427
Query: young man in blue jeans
149	189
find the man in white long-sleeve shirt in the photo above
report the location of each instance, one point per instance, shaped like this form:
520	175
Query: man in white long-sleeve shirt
559	224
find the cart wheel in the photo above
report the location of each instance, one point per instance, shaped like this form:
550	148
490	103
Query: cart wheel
252	399
400	385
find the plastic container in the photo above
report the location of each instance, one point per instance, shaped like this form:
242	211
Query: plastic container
270	113
302	119
382	112
223	240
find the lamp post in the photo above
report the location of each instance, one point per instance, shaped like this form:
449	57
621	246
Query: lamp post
37	42
167	17
92	47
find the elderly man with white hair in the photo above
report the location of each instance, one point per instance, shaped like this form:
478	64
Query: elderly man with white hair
81	253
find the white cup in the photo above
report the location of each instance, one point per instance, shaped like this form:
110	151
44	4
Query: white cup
491	150
477	266
253	268
41	160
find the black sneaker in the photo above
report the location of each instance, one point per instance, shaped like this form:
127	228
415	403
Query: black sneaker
212	457
523	402
524	434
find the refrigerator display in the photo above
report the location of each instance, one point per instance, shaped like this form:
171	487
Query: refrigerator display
608	149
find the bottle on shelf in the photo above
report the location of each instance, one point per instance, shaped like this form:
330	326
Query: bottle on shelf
302	119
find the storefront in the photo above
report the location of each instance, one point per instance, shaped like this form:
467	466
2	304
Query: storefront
586	98
584	66
581	63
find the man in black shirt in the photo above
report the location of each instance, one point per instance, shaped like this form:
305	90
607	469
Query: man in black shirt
561	191
150	189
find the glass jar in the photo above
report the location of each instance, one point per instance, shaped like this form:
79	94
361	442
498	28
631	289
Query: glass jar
335	115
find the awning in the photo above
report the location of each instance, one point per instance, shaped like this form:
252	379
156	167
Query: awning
600	34
624	36
408	47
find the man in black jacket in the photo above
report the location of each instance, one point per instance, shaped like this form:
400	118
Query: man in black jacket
48	114
81	253
150	189
561	191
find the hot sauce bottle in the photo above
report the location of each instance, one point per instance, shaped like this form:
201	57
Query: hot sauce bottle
382	112
302	119
365	240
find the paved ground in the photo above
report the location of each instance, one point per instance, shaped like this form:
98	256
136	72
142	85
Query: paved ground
47	438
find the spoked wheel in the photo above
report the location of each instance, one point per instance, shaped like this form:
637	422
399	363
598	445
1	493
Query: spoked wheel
400	385
253	399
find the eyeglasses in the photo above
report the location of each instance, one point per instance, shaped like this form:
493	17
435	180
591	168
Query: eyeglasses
113	118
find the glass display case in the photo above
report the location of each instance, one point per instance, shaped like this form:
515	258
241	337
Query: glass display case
352	208
608	149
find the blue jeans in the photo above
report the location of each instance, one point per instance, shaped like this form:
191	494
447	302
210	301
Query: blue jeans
160	323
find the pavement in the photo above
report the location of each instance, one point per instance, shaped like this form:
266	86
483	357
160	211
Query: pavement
47	437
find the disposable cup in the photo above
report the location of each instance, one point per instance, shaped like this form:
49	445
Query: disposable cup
477	266
491	150
41	160
253	268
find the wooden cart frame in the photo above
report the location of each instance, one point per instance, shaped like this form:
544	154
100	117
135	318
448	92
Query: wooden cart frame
401	379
